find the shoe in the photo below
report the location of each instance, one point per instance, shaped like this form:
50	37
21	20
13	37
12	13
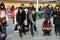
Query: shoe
24	33
21	36
37	31
32	35
16	31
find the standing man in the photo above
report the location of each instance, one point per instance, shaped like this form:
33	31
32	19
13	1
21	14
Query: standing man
32	17
47	12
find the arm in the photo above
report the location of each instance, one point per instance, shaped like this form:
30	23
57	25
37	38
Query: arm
17	19
31	19
54	14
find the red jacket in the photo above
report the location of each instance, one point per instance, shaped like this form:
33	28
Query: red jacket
47	25
12	14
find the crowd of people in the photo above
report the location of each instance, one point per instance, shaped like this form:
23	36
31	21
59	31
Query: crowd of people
24	19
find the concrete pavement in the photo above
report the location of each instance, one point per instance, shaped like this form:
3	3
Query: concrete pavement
38	36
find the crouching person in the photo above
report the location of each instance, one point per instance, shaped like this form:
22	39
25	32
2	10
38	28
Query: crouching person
20	18
46	27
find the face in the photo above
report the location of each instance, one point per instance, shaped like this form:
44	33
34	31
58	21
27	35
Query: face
49	6
31	5
2	6
33	12
57	8
20	10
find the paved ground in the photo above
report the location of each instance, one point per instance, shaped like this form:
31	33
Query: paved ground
38	36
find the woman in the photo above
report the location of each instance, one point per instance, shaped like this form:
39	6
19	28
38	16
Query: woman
15	29
3	17
46	27
20	18
12	13
56	21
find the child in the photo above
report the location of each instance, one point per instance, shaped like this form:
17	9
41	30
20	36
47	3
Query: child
47	27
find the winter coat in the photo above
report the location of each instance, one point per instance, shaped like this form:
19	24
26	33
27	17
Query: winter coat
12	14
47	13
20	17
56	20
3	16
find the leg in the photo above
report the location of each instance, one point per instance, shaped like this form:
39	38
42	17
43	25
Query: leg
45	32
59	29
15	28
4	28
23	29
20	31
31	29
35	29
56	29
13	20
48	32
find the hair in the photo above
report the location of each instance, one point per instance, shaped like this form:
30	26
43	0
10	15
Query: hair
20	8
2	4
48	5
34	9
31	3
57	5
22	4
12	8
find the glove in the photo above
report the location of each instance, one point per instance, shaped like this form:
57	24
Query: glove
19	27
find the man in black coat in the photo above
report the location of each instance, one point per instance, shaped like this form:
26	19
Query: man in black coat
20	17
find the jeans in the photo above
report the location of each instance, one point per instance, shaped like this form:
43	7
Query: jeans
57	28
22	30
15	27
31	28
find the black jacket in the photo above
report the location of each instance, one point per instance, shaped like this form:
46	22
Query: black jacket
56	20
20	17
34	17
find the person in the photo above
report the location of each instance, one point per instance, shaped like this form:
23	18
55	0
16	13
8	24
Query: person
15	12
3	17
56	19
32	18
8	10
20	18
12	13
47	12
22	5
40	8
26	23
31	6
46	27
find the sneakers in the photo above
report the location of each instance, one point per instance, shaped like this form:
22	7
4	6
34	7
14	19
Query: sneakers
16	31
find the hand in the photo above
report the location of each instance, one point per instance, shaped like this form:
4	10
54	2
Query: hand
25	22
55	15
19	27
2	35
